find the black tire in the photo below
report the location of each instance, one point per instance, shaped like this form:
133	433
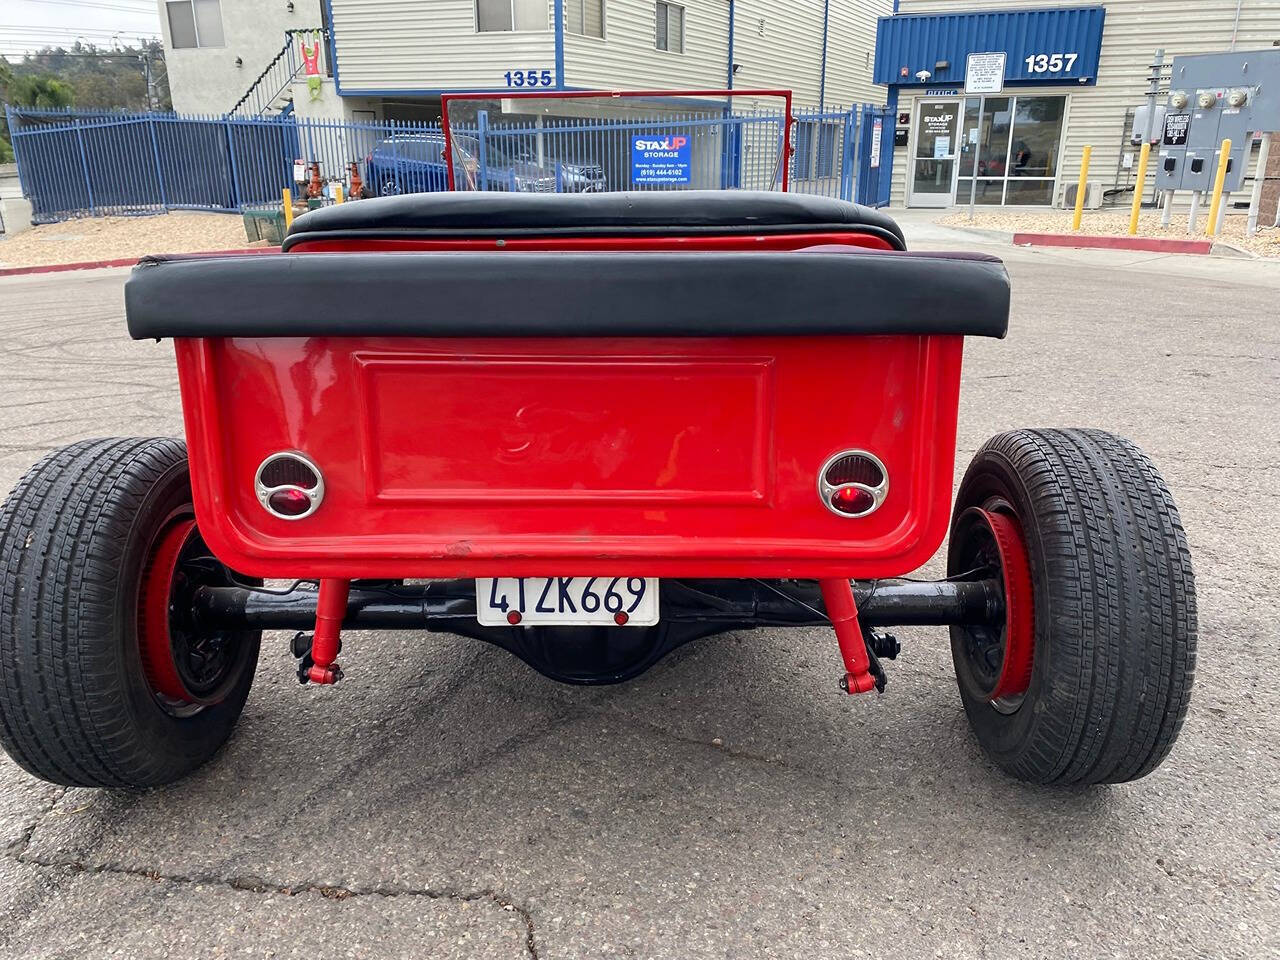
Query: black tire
76	707
1114	608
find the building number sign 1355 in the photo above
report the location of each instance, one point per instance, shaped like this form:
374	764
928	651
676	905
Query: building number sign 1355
528	78
1051	62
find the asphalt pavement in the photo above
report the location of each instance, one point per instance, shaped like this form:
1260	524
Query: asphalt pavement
446	801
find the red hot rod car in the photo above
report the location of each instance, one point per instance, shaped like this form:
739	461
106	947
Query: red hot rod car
587	429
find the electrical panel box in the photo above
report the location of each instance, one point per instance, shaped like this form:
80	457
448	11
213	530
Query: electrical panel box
1216	97
1140	124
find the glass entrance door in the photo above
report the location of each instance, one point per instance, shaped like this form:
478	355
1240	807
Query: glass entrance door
933	163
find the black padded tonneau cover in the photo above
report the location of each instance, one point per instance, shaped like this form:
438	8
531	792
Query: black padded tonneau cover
820	290
661	213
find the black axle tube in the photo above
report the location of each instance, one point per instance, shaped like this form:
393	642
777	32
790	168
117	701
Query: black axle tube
732	604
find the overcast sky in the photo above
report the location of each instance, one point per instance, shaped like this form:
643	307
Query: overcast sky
32	24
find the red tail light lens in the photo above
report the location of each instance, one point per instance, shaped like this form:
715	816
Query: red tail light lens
288	485
289	503
853	483
853	501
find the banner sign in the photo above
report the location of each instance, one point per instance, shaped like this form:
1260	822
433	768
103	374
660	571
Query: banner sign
661	158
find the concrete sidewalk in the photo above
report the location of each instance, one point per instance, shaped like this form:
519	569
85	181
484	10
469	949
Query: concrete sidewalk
924	233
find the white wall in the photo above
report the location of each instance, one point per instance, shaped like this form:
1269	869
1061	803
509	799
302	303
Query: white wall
430	45
206	79
628	58
851	49
416	46
777	43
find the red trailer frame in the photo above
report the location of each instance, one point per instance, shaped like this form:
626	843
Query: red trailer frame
784	95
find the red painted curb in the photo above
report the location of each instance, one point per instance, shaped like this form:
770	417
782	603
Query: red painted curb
1150	244
125	262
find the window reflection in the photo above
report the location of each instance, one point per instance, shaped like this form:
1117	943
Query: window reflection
1016	149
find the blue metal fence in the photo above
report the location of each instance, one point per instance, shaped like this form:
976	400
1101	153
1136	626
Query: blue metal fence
92	164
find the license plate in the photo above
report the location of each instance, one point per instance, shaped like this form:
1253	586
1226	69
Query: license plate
568	601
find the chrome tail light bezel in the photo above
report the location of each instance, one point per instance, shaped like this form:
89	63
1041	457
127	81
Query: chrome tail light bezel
263	491
877	492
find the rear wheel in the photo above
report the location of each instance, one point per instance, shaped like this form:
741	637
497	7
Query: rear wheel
1089	677
105	678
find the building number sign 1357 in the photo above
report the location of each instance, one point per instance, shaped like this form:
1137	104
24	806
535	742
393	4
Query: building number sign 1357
1050	62
528	78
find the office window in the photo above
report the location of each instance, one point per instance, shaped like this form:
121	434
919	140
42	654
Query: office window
506	15
585	17
195	23
670	25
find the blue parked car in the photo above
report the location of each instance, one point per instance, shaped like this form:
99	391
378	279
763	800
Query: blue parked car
414	163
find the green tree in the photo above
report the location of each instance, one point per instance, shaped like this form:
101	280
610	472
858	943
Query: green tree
6	77
39	90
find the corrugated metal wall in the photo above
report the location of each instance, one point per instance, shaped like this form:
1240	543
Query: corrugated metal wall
628	58
386	45
914	42
851	46
1134	29
401	45
779	44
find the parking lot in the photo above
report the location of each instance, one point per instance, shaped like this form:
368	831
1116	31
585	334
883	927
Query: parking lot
446	801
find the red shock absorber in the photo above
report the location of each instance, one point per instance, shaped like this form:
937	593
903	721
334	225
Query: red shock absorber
331	609
837	596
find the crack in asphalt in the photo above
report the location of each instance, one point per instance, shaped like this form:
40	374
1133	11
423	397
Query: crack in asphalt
253	884
17	852
18	848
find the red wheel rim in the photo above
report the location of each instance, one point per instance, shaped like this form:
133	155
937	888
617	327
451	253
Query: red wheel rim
1019	631
154	601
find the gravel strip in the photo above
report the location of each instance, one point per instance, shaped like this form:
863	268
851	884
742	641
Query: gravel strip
1106	223
115	238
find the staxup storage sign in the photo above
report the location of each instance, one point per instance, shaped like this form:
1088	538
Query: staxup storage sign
659	158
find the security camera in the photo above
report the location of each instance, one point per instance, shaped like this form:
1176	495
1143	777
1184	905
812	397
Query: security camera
923	76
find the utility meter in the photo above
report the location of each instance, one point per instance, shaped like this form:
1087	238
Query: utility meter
1237	98
1178	99
1207	99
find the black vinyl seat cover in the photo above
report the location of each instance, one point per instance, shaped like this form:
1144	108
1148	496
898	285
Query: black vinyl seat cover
640	213
826	290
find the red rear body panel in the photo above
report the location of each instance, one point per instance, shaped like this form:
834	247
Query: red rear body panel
669	457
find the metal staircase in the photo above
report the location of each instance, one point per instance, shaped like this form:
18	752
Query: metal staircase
271	94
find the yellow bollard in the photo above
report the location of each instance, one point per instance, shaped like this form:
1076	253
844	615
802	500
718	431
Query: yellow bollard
1139	188
1084	179
287	196
337	193
1223	156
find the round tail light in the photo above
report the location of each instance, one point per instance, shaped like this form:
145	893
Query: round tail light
289	486
853	483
